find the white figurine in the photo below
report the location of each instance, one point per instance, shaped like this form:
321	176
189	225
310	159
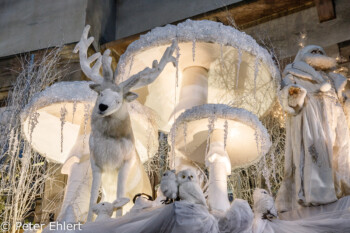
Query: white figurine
264	210
104	210
264	205
317	150
169	186
189	189
111	141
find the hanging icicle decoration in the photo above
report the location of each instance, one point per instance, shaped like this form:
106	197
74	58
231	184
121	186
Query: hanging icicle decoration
273	164
74	110
185	136
172	166
259	164
13	142
225	133
239	186
193	49
177	61
211	124
266	173
62	119
256	72
173	132
222	56
86	119
262	166
163	152
149	133
33	121
238	67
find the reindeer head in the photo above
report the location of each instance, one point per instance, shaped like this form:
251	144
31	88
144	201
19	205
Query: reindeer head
111	96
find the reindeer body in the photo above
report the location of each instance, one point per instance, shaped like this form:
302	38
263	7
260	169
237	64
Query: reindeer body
114	159
111	139
113	154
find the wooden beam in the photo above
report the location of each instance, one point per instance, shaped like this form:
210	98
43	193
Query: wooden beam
325	10
119	46
241	15
250	13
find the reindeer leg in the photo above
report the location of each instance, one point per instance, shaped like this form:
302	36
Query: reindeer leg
123	176
122	179
96	183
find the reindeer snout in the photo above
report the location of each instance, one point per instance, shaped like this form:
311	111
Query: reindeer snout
102	107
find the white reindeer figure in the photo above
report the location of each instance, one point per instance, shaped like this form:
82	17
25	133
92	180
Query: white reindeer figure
113	155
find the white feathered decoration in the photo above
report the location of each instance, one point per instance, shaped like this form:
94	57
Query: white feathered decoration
189	189
264	209
169	186
264	204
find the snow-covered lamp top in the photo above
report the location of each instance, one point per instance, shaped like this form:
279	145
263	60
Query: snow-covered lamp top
244	137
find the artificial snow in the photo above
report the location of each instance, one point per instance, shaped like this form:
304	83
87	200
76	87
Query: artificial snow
197	31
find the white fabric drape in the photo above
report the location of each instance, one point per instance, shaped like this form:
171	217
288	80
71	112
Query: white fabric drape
178	217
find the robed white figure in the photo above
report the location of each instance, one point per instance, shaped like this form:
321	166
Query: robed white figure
317	162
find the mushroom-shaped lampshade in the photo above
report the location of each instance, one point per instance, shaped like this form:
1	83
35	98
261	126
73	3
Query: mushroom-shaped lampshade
221	137
52	120
202	48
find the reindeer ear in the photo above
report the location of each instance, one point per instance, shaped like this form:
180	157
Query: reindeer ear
120	202
130	96
95	87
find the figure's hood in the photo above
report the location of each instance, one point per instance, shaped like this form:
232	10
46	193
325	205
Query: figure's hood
316	57
307	50
302	70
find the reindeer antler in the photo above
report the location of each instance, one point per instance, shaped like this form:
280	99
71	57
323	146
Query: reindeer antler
83	45
106	66
148	75
143	78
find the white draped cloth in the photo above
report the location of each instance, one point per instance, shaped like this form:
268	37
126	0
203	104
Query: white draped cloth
317	162
178	217
334	217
